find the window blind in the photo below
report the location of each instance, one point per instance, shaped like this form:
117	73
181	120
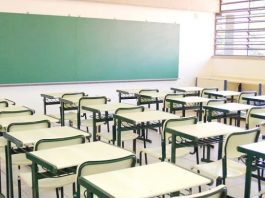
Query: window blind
240	28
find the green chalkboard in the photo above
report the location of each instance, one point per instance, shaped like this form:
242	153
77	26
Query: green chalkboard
47	49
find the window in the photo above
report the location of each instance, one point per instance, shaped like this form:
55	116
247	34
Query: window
240	28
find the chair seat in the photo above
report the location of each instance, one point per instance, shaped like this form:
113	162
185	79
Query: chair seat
48	183
234	169
125	135
157	152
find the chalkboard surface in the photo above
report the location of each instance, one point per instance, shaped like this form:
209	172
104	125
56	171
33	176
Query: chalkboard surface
48	49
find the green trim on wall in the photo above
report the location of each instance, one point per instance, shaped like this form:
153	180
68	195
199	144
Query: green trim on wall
44	49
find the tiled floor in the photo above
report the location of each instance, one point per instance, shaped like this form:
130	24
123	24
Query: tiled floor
235	186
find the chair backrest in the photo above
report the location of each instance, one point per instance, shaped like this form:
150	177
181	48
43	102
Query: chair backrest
234	140
207	89
95	167
70	96
3	104
177	122
143	99
85	101
166	105
128	110
25	112
217	192
214	113
244	94
254	122
23	126
59	142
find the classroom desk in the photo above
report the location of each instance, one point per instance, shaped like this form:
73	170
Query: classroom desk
52	99
258	115
188	90
196	132
71	103
158	97
259	99
143	181
98	109
4	122
252	150
223	94
226	109
56	159
28	139
126	94
141	120
187	101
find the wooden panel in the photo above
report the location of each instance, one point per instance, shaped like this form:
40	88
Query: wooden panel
195	5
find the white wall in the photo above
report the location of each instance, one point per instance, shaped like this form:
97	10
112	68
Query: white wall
196	42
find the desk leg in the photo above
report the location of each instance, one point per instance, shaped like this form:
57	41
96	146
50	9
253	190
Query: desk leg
157	104
62	114
35	185
183	110
171	106
238	119
94	127
9	174
220	147
173	149
200	112
209	117
119	97
44	105
119	133
248	176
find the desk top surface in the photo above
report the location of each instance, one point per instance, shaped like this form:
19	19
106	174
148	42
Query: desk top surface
70	156
223	93
229	107
146	181
257	149
32	136
204	130
4	122
107	106
13	108
146	116
187	89
161	94
189	99
255	98
129	91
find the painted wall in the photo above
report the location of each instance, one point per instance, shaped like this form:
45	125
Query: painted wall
196	41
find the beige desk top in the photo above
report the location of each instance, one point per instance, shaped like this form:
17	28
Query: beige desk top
4	122
190	99
187	89
160	95
107	107
205	130
229	107
146	181
129	91
54	95
30	137
223	93
69	156
13	108
147	116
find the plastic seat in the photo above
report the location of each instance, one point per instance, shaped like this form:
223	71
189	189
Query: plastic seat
95	167
3	141
83	115
58	182
254	122
69	109
125	135
157	152
166	105
228	167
